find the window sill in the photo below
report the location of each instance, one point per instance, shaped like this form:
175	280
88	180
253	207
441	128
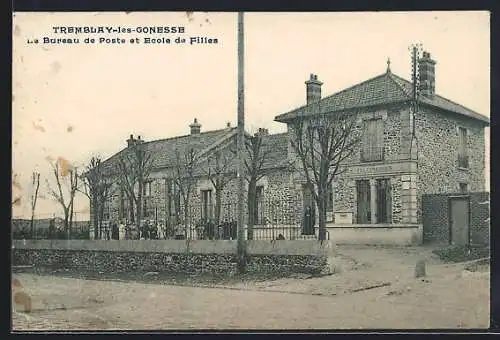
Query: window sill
464	169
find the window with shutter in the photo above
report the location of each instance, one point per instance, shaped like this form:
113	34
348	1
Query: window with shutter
373	140
206	196
259	206
463	158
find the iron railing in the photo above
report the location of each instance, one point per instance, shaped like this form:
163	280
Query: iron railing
49	229
372	153
275	219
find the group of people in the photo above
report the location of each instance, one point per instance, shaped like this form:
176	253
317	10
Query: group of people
148	230
122	231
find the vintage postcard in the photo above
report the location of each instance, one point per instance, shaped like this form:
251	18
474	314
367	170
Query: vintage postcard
264	171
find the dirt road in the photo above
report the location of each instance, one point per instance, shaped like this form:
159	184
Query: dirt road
447	298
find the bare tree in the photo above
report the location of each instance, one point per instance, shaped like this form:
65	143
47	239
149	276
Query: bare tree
322	143
220	174
184	169
257	154
66	178
134	167
35	185
97	187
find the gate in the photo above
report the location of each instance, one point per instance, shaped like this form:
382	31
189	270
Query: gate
459	220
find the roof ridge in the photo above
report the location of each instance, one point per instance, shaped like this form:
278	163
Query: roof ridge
441	97
184	136
341	91
394	78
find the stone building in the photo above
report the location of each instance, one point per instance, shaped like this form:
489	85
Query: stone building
215	156
401	156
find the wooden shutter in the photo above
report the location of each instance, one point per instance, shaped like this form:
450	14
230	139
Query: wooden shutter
379	139
367	140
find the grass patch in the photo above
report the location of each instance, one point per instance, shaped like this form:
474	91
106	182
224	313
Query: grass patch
455	254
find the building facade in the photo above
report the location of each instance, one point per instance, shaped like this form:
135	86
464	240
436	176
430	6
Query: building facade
403	153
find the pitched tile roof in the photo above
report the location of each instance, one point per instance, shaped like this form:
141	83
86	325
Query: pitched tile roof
164	150
383	89
277	147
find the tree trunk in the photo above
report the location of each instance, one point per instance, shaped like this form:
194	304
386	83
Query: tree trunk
218	202
186	222
71	219
66	222
32	225
95	217
101	217
252	192
131	208
139	202
322	215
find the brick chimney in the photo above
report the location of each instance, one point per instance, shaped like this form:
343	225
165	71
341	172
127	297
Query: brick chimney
313	89
195	127
262	132
130	141
427	76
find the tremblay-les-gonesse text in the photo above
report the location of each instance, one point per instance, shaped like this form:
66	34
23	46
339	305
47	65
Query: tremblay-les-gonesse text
75	30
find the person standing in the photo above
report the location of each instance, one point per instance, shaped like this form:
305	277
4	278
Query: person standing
121	231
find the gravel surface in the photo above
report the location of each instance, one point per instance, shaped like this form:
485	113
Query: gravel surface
448	297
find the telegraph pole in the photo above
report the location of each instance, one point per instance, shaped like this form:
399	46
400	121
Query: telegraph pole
241	148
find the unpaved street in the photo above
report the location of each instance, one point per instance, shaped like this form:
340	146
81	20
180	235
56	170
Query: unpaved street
447	298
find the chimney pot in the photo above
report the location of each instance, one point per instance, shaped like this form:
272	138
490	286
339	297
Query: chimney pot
313	89
427	77
130	141
195	127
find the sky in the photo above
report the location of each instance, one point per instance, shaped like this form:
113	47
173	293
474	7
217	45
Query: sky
82	100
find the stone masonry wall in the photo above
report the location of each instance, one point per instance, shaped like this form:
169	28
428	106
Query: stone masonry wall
438	142
119	262
176	256
282	204
345	187
345	197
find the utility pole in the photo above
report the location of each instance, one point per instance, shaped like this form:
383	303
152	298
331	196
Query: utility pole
241	148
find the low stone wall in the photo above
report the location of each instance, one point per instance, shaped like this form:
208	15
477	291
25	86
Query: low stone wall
175	255
376	234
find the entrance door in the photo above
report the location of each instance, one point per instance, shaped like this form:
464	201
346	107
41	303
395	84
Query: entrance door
364	201
459	220
384	201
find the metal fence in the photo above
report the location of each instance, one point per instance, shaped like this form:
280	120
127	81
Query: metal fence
49	228
274	220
